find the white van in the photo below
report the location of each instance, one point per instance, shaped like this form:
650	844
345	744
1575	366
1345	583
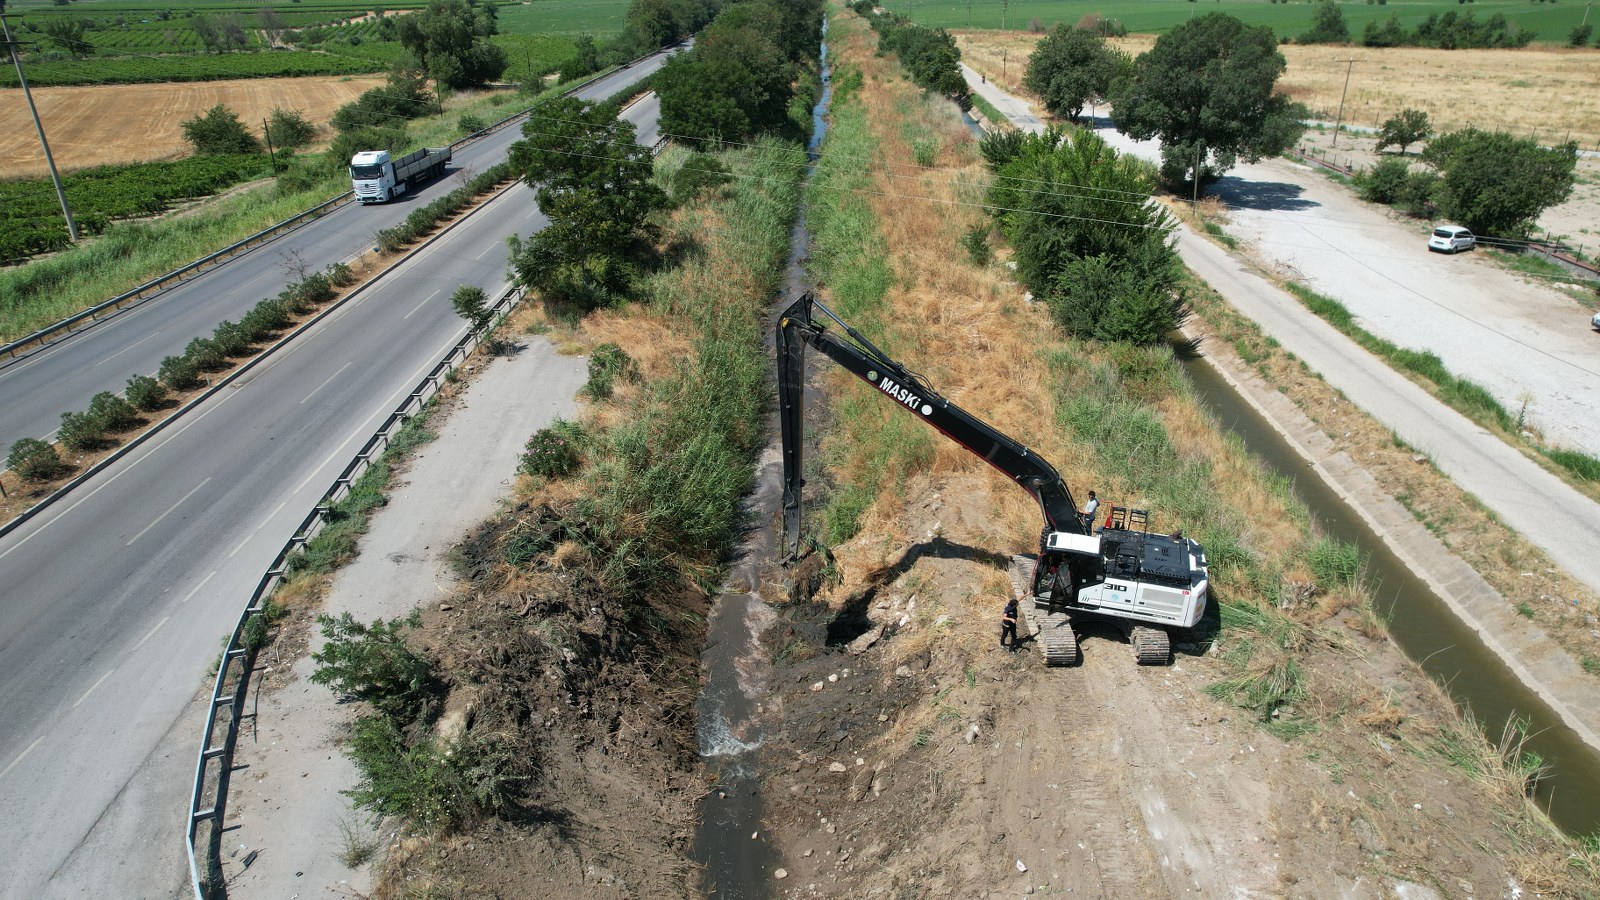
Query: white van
1451	238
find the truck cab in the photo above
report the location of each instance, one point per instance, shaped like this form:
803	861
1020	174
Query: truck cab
372	176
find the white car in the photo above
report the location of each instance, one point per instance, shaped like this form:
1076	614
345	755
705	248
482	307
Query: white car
1595	321
1450	239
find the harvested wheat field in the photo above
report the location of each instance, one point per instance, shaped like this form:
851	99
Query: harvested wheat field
1547	92
119	123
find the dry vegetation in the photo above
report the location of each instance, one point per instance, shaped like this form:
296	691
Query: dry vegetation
931	762
122	123
1549	93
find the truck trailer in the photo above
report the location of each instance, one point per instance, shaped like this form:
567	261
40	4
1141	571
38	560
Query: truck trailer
376	178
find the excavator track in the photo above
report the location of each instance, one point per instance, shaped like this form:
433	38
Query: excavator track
1151	646
1057	640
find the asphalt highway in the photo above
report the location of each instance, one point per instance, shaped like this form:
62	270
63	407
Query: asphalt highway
114	602
35	390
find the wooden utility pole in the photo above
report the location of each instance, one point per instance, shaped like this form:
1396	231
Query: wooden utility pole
16	60
1339	119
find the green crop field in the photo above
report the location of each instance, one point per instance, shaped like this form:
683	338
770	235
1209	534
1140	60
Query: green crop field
601	18
1552	21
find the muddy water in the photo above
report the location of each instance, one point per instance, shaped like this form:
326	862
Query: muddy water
730	843
1422	625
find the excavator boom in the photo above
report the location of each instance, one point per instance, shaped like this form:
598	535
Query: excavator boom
797	328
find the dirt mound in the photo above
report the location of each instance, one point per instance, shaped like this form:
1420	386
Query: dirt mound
595	691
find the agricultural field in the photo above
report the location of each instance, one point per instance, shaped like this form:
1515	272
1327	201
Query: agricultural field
1551	21
124	123
30	217
601	18
1547	92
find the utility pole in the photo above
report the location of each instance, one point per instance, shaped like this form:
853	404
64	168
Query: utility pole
1005	7
1004	53
72	227
1199	150
266	132
1586	12
1339	119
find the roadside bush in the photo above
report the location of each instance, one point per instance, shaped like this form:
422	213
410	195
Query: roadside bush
470	303
206	354
81	431
434	785
340	275
231	339
145	393
976	242
470	124
265	318
179	373
607	364
1384	182
554	451
113	413
373	664
34	460
289	128
316	288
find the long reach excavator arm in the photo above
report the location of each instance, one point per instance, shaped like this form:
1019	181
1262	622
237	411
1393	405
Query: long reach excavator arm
797	328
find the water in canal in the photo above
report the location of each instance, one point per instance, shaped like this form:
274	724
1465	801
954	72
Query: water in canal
1424	627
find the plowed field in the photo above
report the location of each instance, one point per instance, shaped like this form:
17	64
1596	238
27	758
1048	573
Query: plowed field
117	123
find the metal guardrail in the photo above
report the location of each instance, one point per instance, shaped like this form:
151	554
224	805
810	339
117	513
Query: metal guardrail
209	797
153	288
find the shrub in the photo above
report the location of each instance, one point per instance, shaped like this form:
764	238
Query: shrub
289	128
219	130
317	288
470	124
607	364
112	412
179	373
206	354
231	339
145	393
81	431
373	663
340	275
554	451
34	460
470	303
1383	183
976	243
265	318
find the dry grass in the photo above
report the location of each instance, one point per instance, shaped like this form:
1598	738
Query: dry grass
119	123
1550	92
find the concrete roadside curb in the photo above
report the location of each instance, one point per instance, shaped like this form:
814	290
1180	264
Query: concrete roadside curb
1536	660
237	373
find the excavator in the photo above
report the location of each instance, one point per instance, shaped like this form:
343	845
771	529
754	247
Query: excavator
1145	584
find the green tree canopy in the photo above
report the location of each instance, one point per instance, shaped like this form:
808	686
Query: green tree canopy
218	130
1327	26
1071	67
451	38
1088	238
1405	129
596	185
68	34
1206	91
1497	183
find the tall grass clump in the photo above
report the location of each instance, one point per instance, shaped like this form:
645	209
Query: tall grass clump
662	490
870	441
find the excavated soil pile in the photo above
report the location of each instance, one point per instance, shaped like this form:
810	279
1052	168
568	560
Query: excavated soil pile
596	692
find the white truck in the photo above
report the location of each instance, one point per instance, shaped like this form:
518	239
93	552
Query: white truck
376	178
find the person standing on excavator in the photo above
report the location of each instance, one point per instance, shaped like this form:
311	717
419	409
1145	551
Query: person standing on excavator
1089	509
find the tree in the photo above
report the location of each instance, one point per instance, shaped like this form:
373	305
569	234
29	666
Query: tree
1103	265
272	24
68	35
471	303
1327	26
1579	35
1071	67
1405	129
219	130
34	460
585	59
1206	90
1497	183
596	185
289	128
451	39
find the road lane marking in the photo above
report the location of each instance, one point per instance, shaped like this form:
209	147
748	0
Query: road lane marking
98	683
327	382
251	536
170	509
152	632
7	770
189	596
415	377
420	305
124	350
485	252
